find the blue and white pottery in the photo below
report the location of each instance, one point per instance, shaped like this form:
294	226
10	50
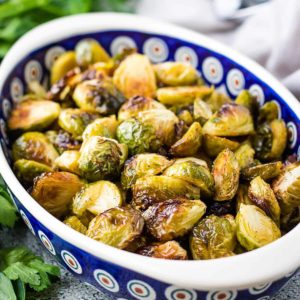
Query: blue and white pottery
254	275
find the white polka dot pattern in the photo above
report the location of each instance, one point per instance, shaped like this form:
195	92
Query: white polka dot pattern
260	288
176	293
141	290
235	81
3	131
33	71
187	54
46	242
256	91
106	280
71	261
156	49
292	134
221	295
52	54
26	221
120	43
16	89
6	108
212	70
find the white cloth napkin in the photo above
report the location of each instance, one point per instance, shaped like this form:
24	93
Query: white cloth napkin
271	37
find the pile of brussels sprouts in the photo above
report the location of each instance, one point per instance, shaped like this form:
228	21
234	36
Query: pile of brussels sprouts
148	159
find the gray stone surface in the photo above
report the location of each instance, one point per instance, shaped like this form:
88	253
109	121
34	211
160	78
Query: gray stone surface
69	288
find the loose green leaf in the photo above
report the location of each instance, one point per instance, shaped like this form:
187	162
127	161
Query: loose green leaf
20	289
6	288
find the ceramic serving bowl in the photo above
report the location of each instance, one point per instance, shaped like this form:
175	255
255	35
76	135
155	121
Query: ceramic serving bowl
254	275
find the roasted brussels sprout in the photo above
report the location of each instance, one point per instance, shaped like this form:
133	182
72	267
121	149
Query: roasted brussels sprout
213	237
261	194
173	218
194	173
100	158
63	64
153	189
242	196
68	161
254	228
143	165
117	227
265	171
106	127
37	90
89	51
27	170
244	155
226	173
75	120
216	100
96	197
230	120
76	224
98	95
268	112
175	73
213	145
33	115
134	105
185	116
270	140
167	250
287	188
182	95
190	143
55	190
135	76
34	146
202	111
247	100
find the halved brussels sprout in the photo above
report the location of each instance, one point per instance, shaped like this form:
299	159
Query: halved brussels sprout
175	73
75	120
153	189
196	160
89	51
185	116
27	170
182	95
34	146
230	120
265	171
213	144
242	196
106	127
116	227
134	105
55	190
190	143
98	95
270	140
37	90
76	224
261	194
254	228
194	173
249	101
167	250
287	188
33	115
244	155
96	197
213	237
173	218
202	111
100	158
63	64
268	112
143	165
68	161
226	173
135	76
216	100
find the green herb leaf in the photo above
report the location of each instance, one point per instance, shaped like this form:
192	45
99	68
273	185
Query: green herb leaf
6	288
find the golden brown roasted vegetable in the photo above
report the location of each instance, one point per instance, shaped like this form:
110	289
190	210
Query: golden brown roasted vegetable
76	224
202	111
244	155
68	161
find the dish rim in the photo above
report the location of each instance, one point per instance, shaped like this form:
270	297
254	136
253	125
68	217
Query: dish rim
237	272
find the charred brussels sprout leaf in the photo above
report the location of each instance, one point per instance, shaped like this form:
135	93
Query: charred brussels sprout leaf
226	172
55	190
270	140
216	100
100	158
254	228
75	120
173	218
34	146
98	95
167	250
213	145
202	111
68	161
96	197
175	73
190	143
268	112
247	100
76	224
153	189
143	165
33	115
135	76
116	227
261	194
244	155
287	188
230	120
213	237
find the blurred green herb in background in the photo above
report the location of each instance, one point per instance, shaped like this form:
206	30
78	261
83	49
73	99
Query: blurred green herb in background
19	16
